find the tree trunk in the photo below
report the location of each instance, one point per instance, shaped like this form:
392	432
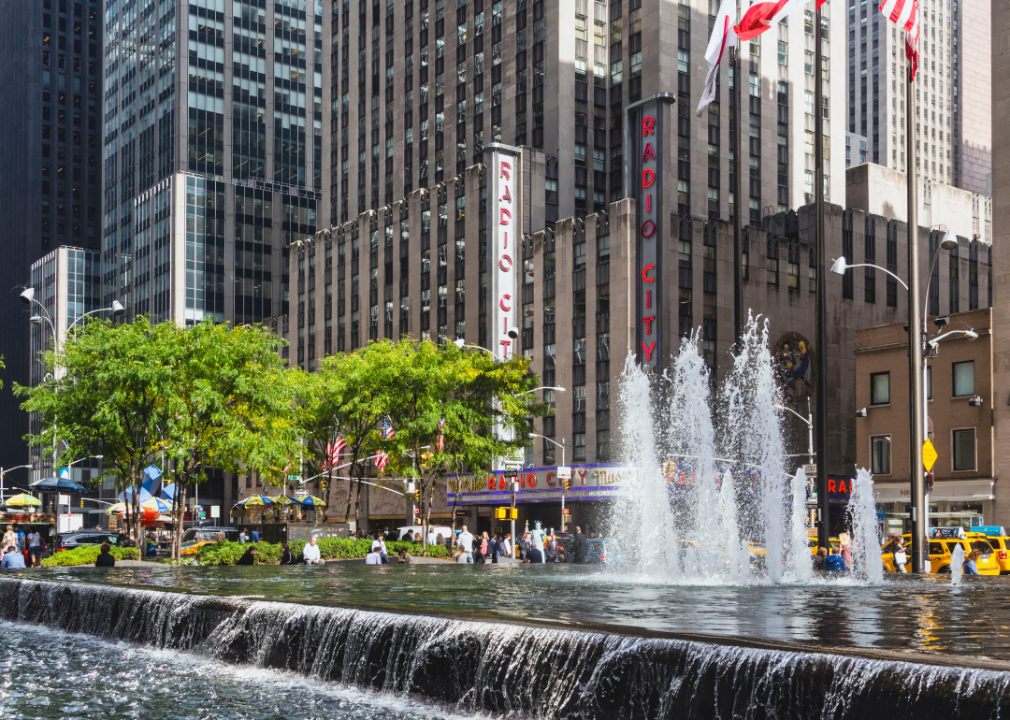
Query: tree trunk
350	483
179	508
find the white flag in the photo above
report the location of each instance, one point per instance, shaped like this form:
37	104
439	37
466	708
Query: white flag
723	37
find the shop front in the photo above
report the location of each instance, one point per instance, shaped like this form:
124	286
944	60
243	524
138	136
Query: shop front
952	503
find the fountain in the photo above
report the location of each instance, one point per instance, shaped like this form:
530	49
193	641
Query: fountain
866	559
728	488
957	564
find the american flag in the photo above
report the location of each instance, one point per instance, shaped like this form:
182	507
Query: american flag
906	14
441	435
333	450
380	460
387	432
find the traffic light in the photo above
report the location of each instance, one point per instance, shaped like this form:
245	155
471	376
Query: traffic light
82	502
568	484
506	513
322	487
417	496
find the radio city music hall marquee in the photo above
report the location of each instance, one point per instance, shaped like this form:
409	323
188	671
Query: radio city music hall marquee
506	246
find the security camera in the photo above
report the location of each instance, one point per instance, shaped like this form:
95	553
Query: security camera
940	321
861	412
975	401
513	332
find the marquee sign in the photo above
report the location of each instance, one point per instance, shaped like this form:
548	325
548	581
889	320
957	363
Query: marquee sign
645	136
506	247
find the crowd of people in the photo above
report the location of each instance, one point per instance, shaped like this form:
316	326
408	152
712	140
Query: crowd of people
28	546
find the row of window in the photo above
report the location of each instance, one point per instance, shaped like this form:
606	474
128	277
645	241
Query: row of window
962	374
963	451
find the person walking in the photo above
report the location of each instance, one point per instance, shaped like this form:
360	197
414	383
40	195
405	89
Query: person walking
581	551
242	537
465	541
483	548
506	546
255	535
900	555
845	549
431	535
105	558
478	557
10	537
13	559
287	557
35	547
311	553
494	547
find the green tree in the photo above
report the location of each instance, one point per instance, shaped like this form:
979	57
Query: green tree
481	406
106	396
230	406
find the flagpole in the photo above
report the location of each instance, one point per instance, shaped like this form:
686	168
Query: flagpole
919	529
738	215
821	356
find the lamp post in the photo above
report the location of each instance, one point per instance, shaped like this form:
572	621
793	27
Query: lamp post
917	370
28	298
4	471
562	446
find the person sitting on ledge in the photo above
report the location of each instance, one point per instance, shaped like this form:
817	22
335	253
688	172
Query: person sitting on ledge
105	558
405	557
249	558
374	558
13	559
533	555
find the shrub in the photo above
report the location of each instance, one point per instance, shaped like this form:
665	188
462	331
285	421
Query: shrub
87	555
228	553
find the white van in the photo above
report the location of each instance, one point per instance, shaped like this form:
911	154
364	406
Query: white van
444	531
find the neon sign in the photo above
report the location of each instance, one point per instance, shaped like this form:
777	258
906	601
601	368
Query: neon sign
505	245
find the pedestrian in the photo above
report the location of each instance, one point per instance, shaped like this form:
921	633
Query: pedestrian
835	563
845	549
460	556
10	537
465	541
533	555
105	558
507	546
311	553
405	558
255	535
249	557
35	548
242	537
483	547
581	550
478	556
383	553
374	558
409	537
431	535
495	548
900	555
818	558
551	549
969	567
21	537
287	557
13	559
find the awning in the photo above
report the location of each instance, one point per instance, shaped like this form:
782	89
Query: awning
975	489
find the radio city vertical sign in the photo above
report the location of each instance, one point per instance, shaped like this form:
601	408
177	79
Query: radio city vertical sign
645	127
505	245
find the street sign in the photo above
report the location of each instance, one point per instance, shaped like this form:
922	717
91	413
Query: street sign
292	477
564	472
810	469
929	455
201	516
513	464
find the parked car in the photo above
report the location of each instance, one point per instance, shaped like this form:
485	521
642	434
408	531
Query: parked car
83	538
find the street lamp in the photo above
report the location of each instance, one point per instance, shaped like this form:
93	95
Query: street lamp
4	471
562	446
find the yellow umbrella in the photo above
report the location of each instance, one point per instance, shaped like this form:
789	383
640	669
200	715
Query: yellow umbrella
22	500
157	504
118	509
312	501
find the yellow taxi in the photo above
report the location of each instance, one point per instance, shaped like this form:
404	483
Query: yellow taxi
198	540
940	550
1000	544
835	543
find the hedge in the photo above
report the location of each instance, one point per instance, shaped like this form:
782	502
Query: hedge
228	553
87	555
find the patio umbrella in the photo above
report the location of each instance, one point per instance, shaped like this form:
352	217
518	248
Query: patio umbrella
22	500
56	484
120	509
313	501
254	501
285	500
157	504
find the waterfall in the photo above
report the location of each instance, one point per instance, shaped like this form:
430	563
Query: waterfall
512	670
862	510
956	564
799	567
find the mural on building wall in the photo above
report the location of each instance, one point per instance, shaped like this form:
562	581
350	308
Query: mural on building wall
794	360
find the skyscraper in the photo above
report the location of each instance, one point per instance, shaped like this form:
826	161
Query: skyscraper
50	100
213	154
952	122
213	142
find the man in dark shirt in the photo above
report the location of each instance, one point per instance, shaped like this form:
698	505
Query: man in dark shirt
533	555
249	558
581	552
105	557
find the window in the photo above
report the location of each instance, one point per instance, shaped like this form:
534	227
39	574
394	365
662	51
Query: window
880	455
963	442
964	378
880	388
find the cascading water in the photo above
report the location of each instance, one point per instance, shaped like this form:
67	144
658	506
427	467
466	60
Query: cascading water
726	489
866	558
956	564
512	670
